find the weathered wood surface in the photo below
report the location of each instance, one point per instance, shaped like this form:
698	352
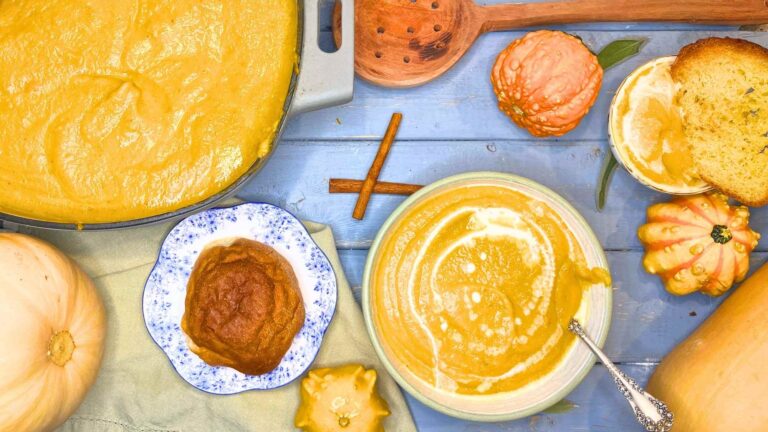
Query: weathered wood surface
460	105
297	179
595	406
384	29
452	126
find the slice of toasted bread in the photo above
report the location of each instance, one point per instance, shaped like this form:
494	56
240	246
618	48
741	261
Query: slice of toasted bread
724	97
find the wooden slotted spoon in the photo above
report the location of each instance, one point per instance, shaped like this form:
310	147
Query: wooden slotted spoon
405	43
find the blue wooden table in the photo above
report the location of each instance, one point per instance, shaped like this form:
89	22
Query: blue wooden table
451	126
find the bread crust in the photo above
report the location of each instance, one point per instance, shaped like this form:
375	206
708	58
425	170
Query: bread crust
715	46
688	63
736	195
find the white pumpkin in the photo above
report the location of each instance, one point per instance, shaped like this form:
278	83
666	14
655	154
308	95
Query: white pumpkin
52	328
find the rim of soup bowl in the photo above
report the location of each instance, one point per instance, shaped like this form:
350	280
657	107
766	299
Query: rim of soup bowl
586	360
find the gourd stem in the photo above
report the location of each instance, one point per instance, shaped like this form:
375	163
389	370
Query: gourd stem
721	234
60	348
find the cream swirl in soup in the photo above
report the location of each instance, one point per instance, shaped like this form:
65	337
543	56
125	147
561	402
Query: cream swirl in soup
472	289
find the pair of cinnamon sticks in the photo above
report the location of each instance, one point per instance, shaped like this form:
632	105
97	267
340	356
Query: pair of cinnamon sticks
339	186
371	183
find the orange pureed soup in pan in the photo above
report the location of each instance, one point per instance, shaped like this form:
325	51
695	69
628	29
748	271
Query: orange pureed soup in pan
120	110
473	286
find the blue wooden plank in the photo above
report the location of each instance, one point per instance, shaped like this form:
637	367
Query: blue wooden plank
598	407
461	106
297	179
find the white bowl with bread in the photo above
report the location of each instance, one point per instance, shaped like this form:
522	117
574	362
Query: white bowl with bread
698	121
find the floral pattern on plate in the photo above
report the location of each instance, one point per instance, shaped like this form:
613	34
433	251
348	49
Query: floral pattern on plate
166	288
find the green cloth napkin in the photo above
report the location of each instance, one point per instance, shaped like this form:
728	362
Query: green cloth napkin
138	389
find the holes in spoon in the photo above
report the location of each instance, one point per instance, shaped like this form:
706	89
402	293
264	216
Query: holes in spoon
380	30
438	27
435	5
378	54
410	30
406	59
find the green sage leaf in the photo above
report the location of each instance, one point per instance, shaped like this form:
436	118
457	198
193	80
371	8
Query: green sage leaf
618	51
561	407
611	55
606	173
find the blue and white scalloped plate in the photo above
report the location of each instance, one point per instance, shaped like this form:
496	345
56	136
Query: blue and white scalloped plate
166	289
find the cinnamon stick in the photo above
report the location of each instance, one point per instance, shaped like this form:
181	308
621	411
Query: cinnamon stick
378	164
355	186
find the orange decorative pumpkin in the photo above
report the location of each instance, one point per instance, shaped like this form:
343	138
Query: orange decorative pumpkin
698	243
546	82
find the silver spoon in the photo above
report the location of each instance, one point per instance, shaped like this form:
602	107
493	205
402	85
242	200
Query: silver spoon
652	413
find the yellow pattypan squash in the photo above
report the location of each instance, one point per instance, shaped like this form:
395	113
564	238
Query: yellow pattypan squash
341	399
698	243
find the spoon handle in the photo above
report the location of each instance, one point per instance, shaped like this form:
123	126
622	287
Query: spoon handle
649	411
512	16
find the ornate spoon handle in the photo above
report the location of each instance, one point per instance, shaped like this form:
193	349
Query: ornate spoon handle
652	413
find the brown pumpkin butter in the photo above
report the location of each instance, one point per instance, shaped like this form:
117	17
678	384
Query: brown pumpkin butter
243	306
61	347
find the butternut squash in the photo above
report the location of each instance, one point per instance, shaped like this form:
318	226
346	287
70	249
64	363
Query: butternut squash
717	380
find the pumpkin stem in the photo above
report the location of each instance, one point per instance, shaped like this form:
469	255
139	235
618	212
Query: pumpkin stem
60	347
344	421
721	234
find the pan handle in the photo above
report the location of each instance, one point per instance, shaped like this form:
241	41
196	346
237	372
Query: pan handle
8	227
325	79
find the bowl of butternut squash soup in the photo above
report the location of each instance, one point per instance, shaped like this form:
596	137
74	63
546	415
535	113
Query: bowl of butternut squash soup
468	290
